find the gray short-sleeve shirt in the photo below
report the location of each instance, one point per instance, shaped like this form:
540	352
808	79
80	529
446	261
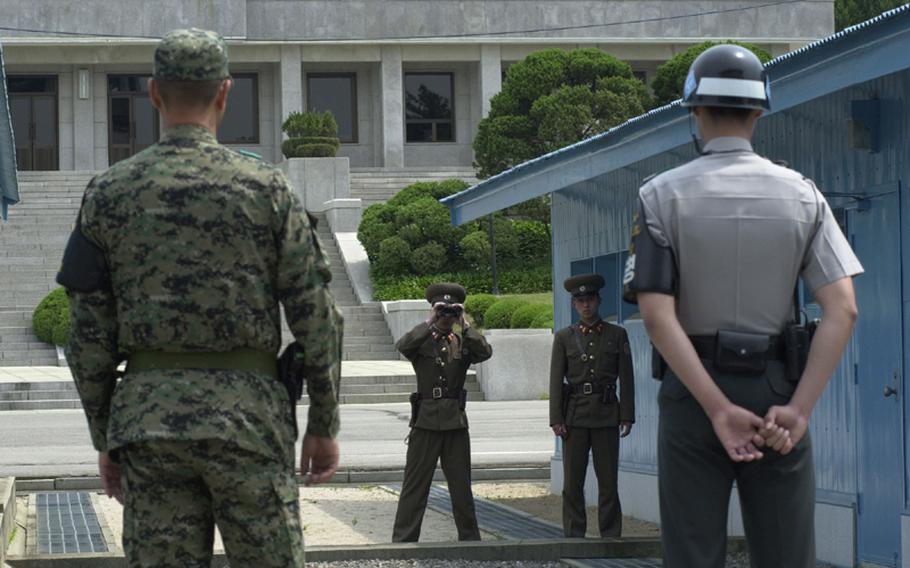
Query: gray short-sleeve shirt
739	227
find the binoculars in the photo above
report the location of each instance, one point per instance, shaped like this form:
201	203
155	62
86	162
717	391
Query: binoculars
449	311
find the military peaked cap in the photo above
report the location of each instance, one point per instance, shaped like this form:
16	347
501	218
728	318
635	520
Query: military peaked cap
191	55
584	285
447	293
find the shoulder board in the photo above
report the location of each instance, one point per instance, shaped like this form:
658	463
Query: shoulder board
247	153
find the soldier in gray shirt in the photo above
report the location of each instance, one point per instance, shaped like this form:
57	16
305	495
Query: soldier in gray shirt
717	249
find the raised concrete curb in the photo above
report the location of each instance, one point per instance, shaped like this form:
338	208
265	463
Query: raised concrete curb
344	477
403	315
536	549
7	512
522	355
343	215
356	264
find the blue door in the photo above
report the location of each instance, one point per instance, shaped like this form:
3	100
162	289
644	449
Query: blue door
876	239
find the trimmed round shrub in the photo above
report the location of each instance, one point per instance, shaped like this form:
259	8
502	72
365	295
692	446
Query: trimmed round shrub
523	317
394	256
475	248
62	331
499	315
543	321
477	305
314	151
428	259
50	314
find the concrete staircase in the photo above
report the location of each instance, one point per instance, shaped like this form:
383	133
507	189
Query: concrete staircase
31	246
378	185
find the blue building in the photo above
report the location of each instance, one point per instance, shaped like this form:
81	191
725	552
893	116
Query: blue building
841	117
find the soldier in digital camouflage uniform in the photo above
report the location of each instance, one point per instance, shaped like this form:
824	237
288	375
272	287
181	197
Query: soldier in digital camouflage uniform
439	426
180	257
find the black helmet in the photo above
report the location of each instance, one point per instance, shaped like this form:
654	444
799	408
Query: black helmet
727	75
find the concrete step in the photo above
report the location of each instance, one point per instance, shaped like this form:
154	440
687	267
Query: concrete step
53	386
30	361
391	355
40	404
37	395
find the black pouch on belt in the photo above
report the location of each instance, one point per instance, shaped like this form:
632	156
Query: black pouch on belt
415	408
609	396
797	339
741	353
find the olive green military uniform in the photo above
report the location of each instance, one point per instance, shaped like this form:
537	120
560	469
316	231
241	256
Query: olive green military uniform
439	431
201	244
589	360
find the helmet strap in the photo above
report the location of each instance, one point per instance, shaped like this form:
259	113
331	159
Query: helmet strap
699	147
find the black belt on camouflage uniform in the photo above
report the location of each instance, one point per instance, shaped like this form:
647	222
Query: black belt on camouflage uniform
705	346
252	360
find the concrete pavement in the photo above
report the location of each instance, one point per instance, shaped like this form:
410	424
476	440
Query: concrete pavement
55	443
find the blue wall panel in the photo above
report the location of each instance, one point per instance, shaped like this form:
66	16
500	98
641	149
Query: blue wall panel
593	218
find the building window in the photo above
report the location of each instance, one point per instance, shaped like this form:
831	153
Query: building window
33	110
241	119
429	107
337	93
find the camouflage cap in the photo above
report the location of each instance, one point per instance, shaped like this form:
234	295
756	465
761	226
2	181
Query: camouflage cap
191	55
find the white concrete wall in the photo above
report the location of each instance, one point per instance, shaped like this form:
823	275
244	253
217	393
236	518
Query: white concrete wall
520	366
403	315
356	265
318	180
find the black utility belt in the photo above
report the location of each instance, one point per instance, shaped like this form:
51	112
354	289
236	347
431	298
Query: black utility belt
739	352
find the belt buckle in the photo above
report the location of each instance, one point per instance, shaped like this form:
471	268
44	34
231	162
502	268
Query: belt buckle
587	388
437	392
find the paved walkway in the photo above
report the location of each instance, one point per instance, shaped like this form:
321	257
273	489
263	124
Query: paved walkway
349	369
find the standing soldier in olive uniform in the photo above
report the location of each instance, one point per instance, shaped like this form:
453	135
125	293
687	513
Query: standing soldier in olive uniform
439	425
585	409
717	250
178	262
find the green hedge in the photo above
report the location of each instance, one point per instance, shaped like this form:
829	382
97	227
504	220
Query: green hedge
51	319
499	315
543	321
524	317
477	305
388	288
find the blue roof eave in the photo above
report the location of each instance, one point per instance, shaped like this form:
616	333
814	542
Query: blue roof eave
863	52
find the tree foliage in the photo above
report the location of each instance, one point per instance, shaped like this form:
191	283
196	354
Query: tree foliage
554	98
851	12
671	76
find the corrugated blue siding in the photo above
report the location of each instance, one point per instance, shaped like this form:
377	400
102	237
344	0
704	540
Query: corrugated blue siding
593	218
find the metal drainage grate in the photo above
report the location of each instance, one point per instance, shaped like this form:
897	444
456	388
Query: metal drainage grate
618	563
67	524
493	517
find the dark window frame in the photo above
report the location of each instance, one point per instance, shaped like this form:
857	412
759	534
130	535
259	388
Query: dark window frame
56	94
111	95
256	132
335	75
433	121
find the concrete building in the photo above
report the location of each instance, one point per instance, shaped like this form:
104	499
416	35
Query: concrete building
840	116
77	70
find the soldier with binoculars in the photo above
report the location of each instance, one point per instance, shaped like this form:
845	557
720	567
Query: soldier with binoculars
441	353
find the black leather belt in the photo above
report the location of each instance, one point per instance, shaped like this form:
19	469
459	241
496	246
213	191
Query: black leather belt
590	388
437	394
705	346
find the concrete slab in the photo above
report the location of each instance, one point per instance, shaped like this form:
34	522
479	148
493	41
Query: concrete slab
7	512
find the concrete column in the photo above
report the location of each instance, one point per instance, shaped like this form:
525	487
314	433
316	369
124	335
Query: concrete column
291	91
392	81
84	118
490	75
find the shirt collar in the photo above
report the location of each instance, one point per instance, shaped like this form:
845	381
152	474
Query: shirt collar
438	334
183	133
728	144
596	327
